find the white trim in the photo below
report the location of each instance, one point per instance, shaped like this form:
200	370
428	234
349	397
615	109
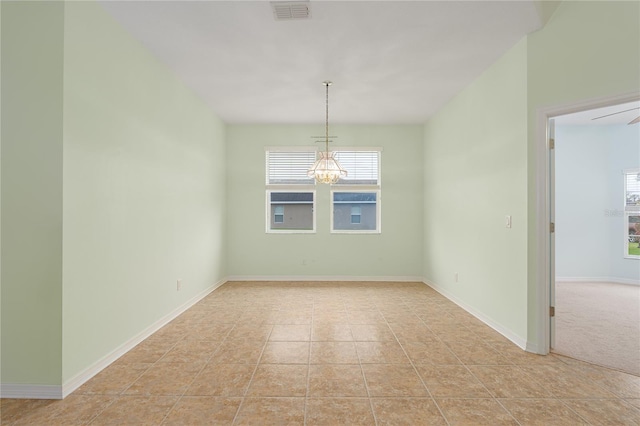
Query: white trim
612	280
627	235
8	390
542	337
291	187
281	148
359	148
532	347
629	211
78	380
378	204
543	266
354	188
519	341
305	278
269	230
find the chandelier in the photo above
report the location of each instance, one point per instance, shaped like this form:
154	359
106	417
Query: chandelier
326	169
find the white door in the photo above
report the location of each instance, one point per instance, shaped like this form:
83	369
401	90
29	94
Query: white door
552	237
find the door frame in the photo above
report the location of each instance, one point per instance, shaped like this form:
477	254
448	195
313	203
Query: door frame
545	263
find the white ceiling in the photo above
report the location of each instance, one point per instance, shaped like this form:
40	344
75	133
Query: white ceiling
390	61
616	114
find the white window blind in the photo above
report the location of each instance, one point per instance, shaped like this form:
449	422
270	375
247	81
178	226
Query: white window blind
363	167
632	187
289	167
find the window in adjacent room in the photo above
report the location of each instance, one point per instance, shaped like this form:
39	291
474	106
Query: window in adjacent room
290	193
632	213
278	214
355	200
356	214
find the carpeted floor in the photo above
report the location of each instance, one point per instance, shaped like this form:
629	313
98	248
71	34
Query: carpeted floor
599	323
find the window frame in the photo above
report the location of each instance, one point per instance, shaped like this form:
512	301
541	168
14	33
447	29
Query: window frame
351	187
291	149
360	190
270	230
628	212
308	186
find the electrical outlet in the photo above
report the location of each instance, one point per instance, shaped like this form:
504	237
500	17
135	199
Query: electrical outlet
507	222
179	286
455	276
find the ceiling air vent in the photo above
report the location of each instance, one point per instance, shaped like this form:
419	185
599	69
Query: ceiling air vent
286	10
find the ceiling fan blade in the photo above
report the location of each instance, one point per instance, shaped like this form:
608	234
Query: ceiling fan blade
637	120
614	113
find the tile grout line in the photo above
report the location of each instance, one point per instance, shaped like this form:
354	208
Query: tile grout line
197	374
415	369
511	364
364	377
452	352
121	394
306	397
244	396
466	366
463	364
559	399
98	414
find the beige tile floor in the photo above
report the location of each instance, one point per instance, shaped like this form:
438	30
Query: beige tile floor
336	354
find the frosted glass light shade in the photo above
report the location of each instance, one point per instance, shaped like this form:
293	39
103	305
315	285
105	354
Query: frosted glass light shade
326	169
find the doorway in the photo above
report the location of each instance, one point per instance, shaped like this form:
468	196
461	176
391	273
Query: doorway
594	276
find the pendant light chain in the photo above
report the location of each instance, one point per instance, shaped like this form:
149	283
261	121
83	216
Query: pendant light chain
326	125
326	169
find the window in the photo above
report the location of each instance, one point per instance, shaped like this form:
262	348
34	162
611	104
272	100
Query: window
355	211
632	213
289	167
355	200
356	214
290	193
278	213
363	167
291	211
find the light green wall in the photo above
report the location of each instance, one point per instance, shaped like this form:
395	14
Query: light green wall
474	176
113	187
396	252
587	50
144	189
546	9
32	49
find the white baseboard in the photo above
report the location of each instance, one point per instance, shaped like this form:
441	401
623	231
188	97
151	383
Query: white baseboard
597	280
520	342
533	348
19	391
288	278
75	382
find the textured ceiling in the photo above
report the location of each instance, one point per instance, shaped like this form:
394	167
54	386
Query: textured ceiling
390	61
